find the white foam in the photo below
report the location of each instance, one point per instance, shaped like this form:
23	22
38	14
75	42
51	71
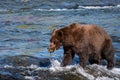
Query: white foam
101	68
64	9
55	66
55	63
58	9
29	78
97	74
79	8
32	66
116	71
105	78
95	7
118	5
8	66
80	70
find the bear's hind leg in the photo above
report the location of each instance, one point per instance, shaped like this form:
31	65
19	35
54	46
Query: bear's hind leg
110	59
110	64
108	54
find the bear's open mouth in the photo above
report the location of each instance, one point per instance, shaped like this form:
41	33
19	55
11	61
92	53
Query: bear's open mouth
51	50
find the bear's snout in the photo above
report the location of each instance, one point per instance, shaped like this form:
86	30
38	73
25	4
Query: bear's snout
51	48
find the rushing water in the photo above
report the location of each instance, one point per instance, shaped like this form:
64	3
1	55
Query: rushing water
27	32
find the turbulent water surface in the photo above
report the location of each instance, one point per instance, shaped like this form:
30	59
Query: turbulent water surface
25	30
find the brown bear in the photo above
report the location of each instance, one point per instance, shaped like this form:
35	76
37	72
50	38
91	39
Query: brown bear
90	42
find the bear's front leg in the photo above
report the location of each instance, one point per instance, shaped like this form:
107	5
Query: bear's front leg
83	59
68	56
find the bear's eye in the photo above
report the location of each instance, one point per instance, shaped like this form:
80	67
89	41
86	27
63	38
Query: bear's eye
56	41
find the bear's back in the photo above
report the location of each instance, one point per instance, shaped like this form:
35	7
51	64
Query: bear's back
95	35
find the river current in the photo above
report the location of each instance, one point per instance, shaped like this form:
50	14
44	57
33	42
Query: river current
27	31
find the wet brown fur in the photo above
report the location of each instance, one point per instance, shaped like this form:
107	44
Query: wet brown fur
90	42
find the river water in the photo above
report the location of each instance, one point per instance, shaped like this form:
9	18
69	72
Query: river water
27	31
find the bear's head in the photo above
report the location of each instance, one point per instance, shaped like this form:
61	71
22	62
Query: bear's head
55	40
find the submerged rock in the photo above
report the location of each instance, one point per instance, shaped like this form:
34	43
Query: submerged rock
24	67
32	74
74	73
25	60
9	76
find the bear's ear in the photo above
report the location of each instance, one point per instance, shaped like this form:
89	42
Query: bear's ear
59	33
73	24
54	30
